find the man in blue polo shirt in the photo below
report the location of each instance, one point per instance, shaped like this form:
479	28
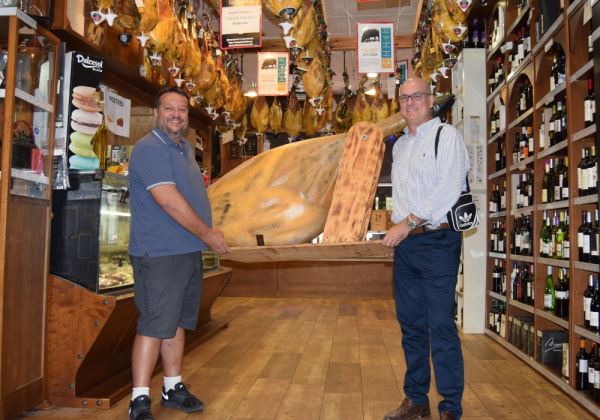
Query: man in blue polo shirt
170	225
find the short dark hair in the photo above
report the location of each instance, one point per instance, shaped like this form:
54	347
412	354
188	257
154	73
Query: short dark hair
169	89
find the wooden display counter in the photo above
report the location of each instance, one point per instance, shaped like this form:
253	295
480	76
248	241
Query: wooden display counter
90	336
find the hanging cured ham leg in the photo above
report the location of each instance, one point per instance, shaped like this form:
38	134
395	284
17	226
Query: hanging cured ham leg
284	194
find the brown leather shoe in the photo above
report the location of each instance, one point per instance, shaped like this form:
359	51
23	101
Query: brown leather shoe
447	415
408	411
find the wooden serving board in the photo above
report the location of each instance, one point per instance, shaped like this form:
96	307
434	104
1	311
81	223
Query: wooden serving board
371	250
348	217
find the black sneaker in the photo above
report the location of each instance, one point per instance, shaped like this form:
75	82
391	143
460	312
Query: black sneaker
141	408
182	399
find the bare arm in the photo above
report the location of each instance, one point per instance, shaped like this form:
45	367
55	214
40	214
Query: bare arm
175	205
398	232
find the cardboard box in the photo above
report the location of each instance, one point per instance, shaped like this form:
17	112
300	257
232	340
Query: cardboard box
378	220
549	346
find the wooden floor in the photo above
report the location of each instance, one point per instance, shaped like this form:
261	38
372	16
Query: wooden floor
334	359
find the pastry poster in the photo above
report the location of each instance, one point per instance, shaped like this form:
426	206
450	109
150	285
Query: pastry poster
83	73
241	23
117	113
375	47
272	73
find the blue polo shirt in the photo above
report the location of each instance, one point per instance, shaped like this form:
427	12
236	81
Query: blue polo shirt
158	160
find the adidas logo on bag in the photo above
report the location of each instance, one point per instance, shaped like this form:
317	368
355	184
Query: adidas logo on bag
465	218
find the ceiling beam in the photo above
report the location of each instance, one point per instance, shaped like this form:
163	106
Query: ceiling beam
337	43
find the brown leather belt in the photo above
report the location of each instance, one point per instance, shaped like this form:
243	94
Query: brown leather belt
424	229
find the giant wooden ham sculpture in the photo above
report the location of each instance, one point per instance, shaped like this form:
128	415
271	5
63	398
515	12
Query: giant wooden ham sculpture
284	194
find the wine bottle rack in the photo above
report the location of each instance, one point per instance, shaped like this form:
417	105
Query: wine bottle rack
568	31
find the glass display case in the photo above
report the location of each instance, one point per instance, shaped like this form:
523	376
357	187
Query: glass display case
27	67
90	232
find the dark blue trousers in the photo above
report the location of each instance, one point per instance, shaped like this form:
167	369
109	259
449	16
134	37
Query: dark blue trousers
425	272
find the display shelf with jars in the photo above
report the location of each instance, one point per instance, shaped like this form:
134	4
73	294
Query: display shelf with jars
28	77
550	156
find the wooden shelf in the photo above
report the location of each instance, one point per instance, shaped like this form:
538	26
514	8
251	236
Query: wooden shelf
497	296
574	6
497	174
594	268
518	20
548	374
495	92
584	332
552	318
522	306
552	150
541	44
514	73
527	114
522	211
497	136
586	132
589	66
549	97
553	262
497	255
522	258
522	165
497	215
494	50
586	199
553	206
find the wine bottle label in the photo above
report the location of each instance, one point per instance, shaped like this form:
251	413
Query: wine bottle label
566	250
587	302
582	366
591	173
562	294
586	244
594	315
591	372
545	195
520	52
580	239
597	378
547	301
588	111
565	193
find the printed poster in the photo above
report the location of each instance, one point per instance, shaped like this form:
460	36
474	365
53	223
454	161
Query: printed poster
375	47
117	113
272	73
241	23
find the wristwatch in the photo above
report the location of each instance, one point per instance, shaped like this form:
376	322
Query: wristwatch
411	223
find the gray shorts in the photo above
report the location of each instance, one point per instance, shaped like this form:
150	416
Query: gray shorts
167	293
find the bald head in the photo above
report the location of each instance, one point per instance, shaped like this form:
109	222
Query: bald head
416	102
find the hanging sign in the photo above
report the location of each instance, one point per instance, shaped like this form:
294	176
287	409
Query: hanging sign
241	24
272	73
375	49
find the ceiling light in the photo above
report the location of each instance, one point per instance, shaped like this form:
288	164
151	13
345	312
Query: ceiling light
371	91
372	75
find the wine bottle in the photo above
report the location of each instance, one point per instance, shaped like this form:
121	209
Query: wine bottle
595	309
562	294
516	152
582	359
588	235
590	44
588	294
549	292
503	197
514	282
594	240
592	171
592	365
545	237
589	104
526	237
582	174
546	182
496	286
581	233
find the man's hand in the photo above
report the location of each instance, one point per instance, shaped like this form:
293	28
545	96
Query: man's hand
216	241
396	234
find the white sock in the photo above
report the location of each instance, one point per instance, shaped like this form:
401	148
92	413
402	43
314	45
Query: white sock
136	392
169	382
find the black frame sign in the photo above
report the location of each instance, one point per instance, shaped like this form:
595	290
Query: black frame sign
241	24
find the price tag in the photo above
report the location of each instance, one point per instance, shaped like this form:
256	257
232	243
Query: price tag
227	137
508	45
548	45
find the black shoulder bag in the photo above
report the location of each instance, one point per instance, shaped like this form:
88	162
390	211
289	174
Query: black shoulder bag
463	214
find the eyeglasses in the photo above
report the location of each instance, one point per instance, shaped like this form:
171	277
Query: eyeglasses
416	97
